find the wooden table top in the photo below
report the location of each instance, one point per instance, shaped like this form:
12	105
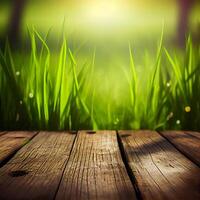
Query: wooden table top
110	165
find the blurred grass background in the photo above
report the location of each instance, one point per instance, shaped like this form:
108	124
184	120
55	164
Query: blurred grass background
107	26
107	35
98	20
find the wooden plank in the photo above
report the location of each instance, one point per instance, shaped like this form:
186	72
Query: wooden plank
188	144
36	170
2	133
160	170
10	142
95	169
193	133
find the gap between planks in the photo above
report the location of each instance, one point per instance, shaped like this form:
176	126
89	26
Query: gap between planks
35	171
11	142
161	171
57	189
187	142
95	169
128	168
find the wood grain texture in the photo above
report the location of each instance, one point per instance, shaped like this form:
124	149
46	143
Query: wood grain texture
193	133
2	133
95	169
161	171
10	142
36	170
187	142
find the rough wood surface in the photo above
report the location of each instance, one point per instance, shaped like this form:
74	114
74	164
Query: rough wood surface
2	133
36	170
193	133
187	142
12	141
95	169
161	171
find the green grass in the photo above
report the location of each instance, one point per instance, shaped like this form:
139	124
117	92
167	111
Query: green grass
39	90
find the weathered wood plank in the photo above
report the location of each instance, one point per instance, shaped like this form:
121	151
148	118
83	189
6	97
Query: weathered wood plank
161	171
186	143
2	133
10	142
95	169
195	134
36	170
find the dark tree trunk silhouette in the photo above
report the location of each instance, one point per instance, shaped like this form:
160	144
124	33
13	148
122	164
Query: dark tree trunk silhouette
15	21
184	14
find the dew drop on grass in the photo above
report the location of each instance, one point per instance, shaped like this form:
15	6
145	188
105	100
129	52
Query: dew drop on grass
168	84
30	95
17	73
187	109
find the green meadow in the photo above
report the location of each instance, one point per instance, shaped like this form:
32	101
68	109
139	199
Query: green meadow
76	73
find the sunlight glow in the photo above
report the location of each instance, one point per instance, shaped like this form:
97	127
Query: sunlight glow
104	12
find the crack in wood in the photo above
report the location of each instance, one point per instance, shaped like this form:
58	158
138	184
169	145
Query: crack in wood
128	169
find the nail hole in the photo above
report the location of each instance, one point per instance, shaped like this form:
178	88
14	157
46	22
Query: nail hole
125	135
72	132
18	173
91	132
